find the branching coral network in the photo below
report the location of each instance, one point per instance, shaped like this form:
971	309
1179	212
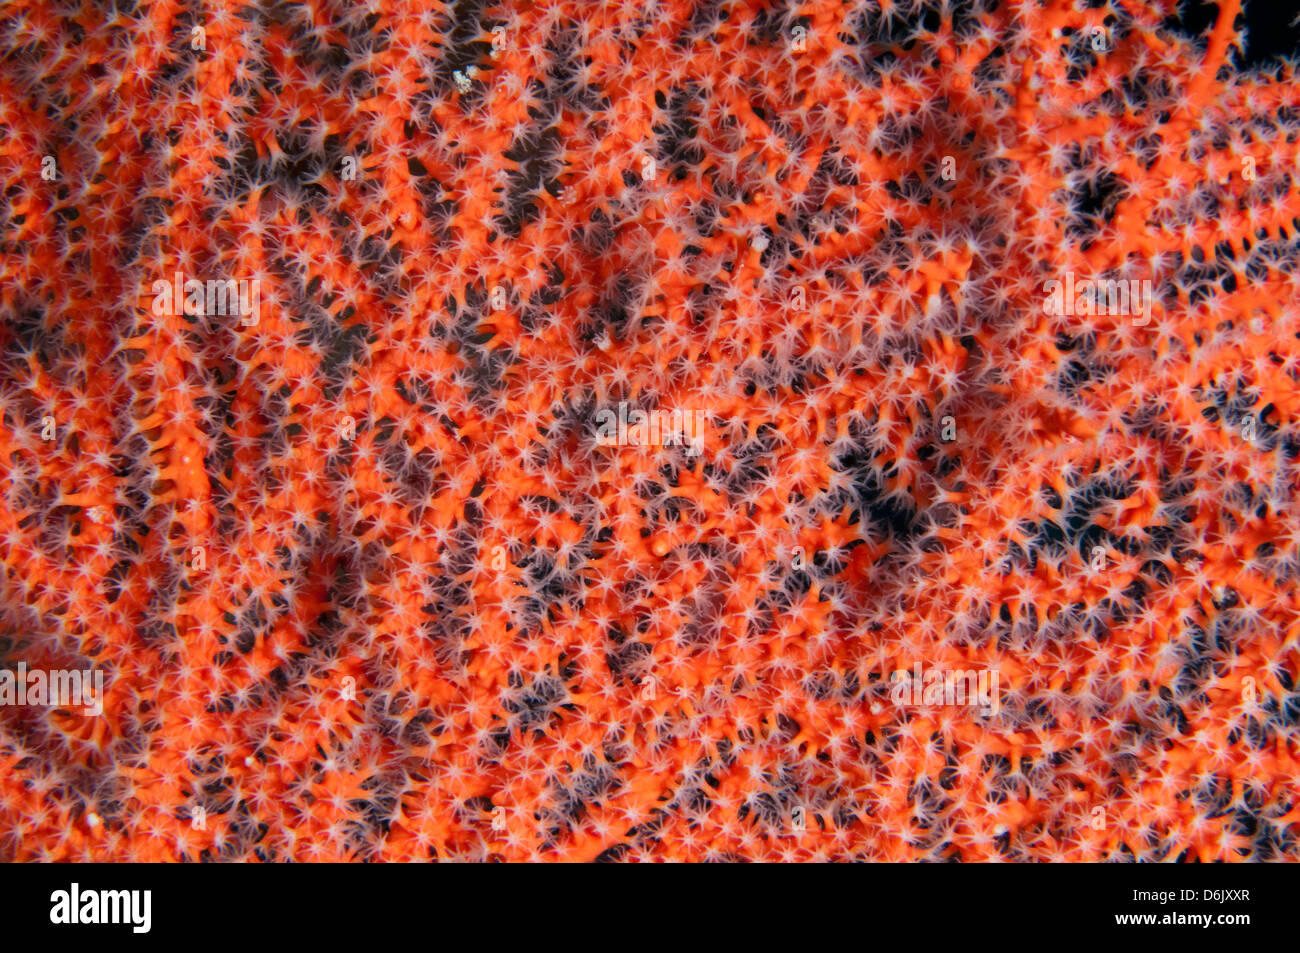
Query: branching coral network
648	430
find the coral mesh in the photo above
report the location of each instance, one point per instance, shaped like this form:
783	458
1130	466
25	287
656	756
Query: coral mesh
367	580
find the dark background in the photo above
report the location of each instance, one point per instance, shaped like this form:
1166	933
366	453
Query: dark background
1270	33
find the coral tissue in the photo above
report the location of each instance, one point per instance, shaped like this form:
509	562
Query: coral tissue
724	430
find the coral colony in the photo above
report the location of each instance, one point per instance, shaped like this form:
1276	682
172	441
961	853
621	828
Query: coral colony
735	430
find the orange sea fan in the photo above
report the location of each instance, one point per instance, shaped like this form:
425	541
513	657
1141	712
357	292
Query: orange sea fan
974	537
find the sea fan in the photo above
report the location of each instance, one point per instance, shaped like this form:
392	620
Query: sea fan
664	430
